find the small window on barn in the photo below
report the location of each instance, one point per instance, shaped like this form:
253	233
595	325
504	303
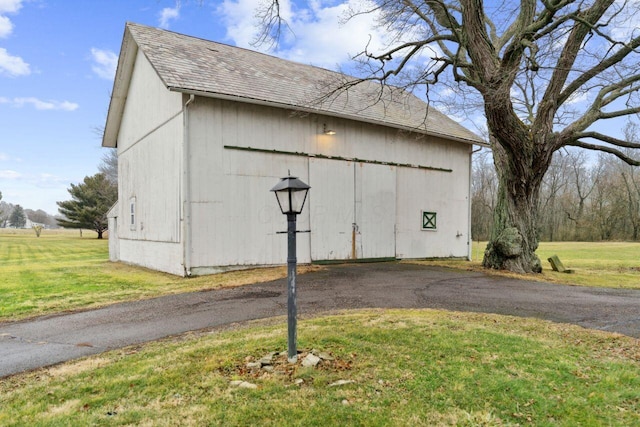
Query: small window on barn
132	213
429	220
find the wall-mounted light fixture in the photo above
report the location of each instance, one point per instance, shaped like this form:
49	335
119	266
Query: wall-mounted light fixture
327	131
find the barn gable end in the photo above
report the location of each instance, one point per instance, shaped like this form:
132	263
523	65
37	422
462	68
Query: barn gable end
202	135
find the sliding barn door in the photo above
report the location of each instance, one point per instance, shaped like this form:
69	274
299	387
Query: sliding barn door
352	210
331	208
375	211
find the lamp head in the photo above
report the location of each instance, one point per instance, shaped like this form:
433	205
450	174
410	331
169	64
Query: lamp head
291	194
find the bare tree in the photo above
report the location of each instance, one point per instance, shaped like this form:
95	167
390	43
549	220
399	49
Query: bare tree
38	229
607	210
544	73
623	193
5	211
631	179
484	185
109	165
582	180
552	190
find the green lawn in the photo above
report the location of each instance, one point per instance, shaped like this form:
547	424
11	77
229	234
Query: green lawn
62	271
403	367
600	264
610	264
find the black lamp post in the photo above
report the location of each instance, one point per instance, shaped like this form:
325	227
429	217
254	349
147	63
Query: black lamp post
291	194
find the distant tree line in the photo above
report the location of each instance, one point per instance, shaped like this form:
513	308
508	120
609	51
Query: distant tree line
16	216
582	198
87	208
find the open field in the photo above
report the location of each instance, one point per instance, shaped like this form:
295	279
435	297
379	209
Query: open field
401	367
601	264
611	264
61	271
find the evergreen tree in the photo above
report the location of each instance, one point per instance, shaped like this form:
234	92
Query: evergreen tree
17	218
91	200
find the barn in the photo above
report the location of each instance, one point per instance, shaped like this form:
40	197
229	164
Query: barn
204	130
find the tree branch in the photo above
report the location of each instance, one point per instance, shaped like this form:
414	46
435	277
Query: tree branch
599	68
620	113
476	40
606	96
271	24
519	34
608	139
552	97
609	150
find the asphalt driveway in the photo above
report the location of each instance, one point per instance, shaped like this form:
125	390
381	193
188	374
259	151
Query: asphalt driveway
53	339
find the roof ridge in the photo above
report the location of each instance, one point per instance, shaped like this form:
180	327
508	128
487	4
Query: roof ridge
233	72
251	51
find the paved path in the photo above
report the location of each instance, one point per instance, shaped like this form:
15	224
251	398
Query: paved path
53	339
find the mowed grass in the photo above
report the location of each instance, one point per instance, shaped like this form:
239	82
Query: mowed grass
600	264
609	264
61	271
402	368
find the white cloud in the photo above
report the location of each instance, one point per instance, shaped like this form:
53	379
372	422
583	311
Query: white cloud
39	104
13	66
105	63
316	34
168	14
577	97
3	157
10	6
7	6
323	40
10	65
6	27
240	19
47	180
9	174
67	106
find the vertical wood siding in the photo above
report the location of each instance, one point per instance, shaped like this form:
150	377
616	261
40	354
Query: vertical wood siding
235	220
236	217
149	169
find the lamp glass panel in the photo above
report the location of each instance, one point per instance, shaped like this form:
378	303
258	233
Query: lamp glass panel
293	204
283	200
297	200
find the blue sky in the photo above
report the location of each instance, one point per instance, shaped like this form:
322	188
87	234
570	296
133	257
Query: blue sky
58	58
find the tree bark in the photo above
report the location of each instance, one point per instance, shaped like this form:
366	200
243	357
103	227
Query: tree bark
514	237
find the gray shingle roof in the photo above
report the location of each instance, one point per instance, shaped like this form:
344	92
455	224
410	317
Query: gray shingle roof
192	65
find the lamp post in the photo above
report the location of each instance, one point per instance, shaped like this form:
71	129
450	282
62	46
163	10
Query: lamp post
291	194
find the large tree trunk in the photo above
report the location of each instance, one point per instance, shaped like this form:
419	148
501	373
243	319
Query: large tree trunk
514	237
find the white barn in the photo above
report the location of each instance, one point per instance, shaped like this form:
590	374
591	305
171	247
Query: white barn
203	131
